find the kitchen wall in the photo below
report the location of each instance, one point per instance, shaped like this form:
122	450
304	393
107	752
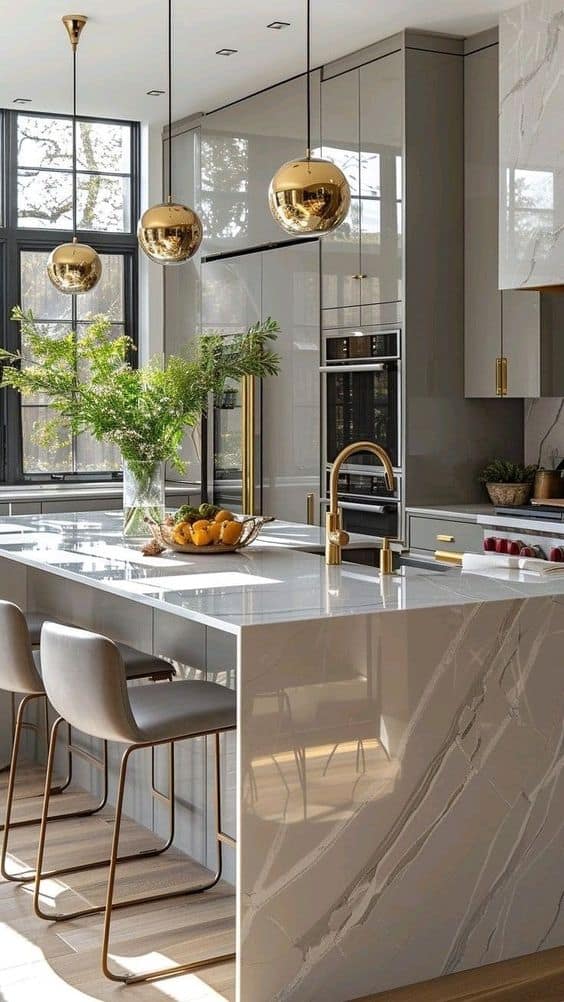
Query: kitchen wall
544	431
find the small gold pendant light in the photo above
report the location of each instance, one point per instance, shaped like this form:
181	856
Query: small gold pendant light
169	233
74	268
310	195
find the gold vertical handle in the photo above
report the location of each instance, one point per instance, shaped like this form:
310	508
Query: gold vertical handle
501	376
248	445
310	509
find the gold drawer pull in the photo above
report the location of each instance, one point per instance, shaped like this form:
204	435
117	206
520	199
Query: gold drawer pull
444	539
448	558
359	277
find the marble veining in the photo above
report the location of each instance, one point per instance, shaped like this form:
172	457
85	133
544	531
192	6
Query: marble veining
531	45
445	852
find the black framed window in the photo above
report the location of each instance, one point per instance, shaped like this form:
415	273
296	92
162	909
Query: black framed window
55	178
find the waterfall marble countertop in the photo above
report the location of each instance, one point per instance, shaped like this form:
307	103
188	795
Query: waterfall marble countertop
273	581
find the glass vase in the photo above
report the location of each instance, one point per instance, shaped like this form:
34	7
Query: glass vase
143	496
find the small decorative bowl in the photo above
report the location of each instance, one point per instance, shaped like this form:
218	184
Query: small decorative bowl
509	495
162	533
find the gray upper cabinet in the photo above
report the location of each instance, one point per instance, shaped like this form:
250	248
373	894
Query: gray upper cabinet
381	181
362	128
503	335
242	146
340	250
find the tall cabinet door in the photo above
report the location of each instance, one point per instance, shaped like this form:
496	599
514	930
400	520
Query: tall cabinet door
290	401
231	302
340	143
381	149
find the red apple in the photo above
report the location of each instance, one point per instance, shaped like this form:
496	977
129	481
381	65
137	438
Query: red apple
490	543
501	545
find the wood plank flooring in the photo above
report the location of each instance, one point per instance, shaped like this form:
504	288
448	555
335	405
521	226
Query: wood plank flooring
60	962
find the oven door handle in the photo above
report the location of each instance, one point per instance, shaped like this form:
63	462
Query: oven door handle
371	366
376	509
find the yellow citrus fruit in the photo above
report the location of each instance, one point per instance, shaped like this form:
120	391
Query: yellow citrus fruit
214	532
201	537
202	523
231	533
224	516
178	536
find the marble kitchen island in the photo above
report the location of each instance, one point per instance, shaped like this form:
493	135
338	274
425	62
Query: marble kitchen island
396	783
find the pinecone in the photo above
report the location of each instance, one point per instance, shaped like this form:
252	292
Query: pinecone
152	548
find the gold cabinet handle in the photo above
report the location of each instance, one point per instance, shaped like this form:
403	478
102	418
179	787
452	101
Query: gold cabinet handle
448	558
359	277
310	498
444	539
501	376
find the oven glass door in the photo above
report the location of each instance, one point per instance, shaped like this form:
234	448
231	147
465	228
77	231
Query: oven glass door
362	404
370	520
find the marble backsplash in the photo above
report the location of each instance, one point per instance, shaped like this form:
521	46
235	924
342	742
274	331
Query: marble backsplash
544	431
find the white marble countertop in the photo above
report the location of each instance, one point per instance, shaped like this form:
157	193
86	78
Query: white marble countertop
484	514
70	491
270	582
462	512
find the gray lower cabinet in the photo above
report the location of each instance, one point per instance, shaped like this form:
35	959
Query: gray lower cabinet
429	534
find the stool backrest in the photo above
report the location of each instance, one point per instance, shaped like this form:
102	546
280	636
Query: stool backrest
84	677
17	667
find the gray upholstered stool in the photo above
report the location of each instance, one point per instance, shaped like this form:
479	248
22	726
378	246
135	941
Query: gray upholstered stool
85	680
20	676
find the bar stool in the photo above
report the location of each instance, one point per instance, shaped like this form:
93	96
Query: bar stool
20	676
85	680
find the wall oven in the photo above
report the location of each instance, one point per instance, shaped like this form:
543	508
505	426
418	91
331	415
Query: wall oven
361	380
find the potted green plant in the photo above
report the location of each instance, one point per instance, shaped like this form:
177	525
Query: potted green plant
93	387
508	484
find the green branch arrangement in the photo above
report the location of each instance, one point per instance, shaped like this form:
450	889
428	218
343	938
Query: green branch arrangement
145	412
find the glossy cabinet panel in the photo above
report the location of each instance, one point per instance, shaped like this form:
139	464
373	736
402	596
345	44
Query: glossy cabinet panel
340	132
243	145
381	169
362	131
231	302
182	284
531	99
290	401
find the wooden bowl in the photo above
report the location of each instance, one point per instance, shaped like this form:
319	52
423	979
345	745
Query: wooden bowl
252	525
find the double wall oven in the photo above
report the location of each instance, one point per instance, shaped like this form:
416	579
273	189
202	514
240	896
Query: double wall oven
362	400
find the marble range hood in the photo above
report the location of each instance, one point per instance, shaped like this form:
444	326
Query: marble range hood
531	224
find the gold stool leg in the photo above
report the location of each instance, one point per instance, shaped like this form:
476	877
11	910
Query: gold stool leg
6	768
222	838
12	780
39	874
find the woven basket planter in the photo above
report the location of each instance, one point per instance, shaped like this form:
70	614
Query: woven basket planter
509	495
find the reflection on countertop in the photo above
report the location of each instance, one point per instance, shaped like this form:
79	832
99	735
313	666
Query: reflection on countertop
273	581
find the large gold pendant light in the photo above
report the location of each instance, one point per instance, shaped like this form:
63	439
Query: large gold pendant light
310	195
169	233
74	268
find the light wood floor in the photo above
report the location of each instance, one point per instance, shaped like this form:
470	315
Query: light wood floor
61	962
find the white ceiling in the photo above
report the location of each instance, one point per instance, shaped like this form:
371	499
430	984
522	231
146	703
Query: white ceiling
122	53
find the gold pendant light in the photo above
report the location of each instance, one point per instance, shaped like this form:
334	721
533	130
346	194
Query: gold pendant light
74	268
310	195
169	233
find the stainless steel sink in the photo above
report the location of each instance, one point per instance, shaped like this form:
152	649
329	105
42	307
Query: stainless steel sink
422	563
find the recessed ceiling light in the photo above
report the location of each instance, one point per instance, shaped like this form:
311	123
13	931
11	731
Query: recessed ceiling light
155	93
278	25
226	52
22	100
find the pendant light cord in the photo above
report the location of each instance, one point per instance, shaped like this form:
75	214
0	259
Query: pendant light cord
170	101
308	82
74	78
